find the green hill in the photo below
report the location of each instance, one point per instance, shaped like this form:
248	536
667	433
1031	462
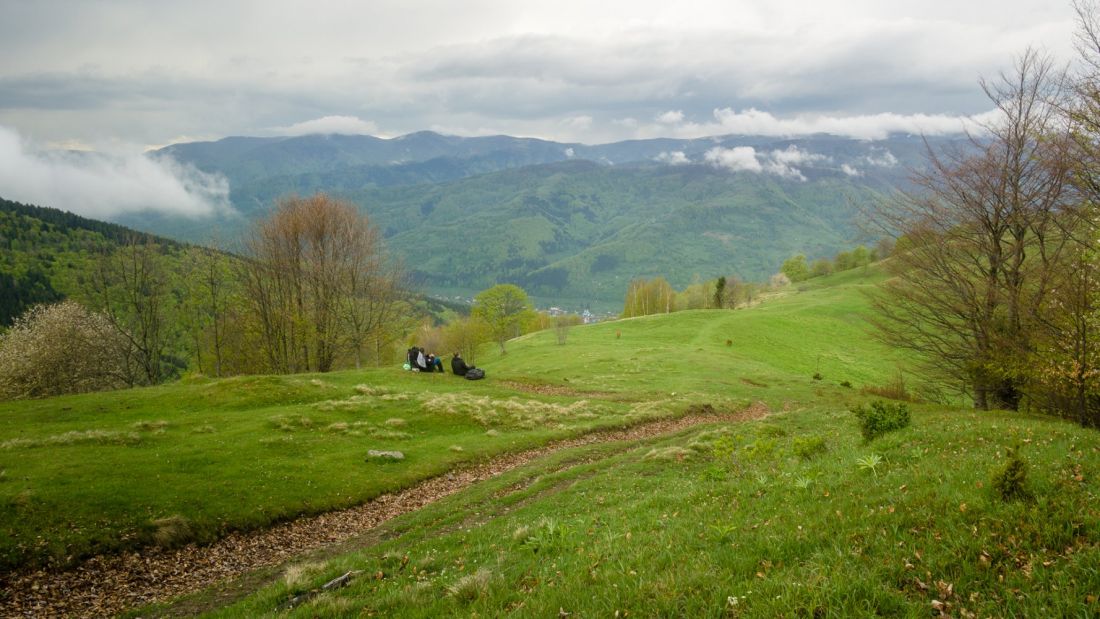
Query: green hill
46	251
566	221
793	514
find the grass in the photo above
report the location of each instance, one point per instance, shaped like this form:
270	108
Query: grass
713	533
794	515
245	452
229	455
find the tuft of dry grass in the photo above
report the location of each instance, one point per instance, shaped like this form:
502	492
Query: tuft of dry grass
205	429
150	426
674	453
471	586
76	437
300	574
513	411
396	422
173	531
291	424
456	448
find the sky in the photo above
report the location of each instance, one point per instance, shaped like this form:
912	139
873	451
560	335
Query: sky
126	76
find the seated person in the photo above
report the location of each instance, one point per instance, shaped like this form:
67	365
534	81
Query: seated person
434	363
458	365
421	361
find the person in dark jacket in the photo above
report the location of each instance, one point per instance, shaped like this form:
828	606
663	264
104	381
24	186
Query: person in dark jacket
458	366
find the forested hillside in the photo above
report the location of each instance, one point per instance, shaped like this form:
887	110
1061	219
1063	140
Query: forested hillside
45	252
565	219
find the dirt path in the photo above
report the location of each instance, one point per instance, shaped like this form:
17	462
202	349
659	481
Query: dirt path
109	584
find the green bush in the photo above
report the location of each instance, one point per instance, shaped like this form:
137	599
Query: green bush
806	447
880	418
1010	483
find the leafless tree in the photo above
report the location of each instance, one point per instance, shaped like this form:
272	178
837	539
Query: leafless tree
130	286
982	242
316	278
211	288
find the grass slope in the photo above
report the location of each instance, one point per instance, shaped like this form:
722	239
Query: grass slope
732	521
792	516
276	447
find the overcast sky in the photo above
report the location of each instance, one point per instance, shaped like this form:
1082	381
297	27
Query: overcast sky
149	72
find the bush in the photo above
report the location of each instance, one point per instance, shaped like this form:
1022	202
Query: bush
880	418
58	349
894	389
806	447
1010	483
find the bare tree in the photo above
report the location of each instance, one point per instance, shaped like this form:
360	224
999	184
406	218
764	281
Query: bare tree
211	290
982	240
316	278
373	284
130	287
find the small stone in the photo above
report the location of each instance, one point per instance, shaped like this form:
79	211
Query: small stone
375	454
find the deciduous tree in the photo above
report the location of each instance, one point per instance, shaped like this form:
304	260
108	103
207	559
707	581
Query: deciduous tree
503	308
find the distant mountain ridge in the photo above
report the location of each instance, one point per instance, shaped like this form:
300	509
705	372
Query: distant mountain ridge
568	219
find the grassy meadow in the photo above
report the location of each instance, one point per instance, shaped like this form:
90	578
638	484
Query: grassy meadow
794	515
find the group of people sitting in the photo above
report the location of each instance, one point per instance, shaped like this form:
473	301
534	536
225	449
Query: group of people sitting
420	361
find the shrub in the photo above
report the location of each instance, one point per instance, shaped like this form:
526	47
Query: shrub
60	348
770	430
1010	482
806	447
894	389
762	450
880	418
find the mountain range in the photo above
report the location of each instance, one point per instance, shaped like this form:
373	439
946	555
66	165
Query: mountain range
567	220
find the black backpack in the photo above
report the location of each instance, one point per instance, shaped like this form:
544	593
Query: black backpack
475	374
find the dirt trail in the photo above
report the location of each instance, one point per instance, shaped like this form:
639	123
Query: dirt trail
110	584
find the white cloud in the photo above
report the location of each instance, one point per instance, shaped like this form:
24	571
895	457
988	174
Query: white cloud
793	155
882	158
671	117
348	125
783	163
866	127
850	170
101	186
734	159
676	157
569	152
582	122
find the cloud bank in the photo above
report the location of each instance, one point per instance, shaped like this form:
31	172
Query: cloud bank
572	71
347	125
751	121
102	186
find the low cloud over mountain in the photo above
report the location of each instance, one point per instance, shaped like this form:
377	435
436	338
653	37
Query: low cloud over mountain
105	186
